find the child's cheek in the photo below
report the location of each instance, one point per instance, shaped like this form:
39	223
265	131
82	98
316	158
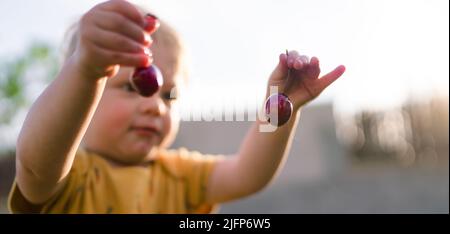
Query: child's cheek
171	125
117	114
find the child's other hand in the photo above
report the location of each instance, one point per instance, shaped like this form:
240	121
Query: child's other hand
303	84
111	34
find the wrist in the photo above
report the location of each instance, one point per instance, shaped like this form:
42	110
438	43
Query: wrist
75	68
84	68
297	106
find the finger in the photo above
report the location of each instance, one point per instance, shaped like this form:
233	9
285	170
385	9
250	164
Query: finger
292	57
314	61
298	64
304	59
117	42
281	70
126	9
113	21
329	78
297	61
151	23
110	57
314	68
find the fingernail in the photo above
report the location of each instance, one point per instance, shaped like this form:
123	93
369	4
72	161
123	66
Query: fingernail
150	62
147	51
146	60
304	59
290	61
151	15
147	39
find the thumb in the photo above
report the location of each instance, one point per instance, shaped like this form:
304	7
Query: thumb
112	71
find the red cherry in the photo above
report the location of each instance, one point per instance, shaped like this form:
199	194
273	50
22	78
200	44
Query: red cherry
151	23
281	104
147	80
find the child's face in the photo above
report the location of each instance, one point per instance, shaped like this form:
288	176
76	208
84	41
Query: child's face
126	126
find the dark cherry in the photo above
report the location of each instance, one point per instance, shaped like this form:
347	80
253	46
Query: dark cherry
281	103
147	80
278	109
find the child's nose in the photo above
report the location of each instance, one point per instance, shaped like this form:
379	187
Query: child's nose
153	105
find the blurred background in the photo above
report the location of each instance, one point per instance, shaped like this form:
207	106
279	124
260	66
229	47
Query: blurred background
376	141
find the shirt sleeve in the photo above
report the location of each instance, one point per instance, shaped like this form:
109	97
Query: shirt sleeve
18	204
197	170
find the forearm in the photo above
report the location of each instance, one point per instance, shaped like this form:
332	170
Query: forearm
263	153
56	123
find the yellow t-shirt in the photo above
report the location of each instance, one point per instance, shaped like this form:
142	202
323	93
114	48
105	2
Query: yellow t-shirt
175	182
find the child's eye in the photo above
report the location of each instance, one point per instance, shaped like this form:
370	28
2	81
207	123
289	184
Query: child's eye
171	96
128	87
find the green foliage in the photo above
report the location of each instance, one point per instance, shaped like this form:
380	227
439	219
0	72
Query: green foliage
13	81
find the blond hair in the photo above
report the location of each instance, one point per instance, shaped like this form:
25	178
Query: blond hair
165	36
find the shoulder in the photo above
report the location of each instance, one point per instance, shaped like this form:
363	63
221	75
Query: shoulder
83	161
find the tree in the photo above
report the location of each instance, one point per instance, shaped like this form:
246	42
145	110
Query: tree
38	65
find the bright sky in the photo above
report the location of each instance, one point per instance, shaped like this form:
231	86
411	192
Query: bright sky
392	49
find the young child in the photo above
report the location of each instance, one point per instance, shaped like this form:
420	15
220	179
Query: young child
91	144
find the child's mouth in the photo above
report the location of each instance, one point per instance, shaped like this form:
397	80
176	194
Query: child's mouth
145	131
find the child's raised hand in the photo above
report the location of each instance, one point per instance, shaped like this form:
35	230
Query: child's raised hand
298	77
112	34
